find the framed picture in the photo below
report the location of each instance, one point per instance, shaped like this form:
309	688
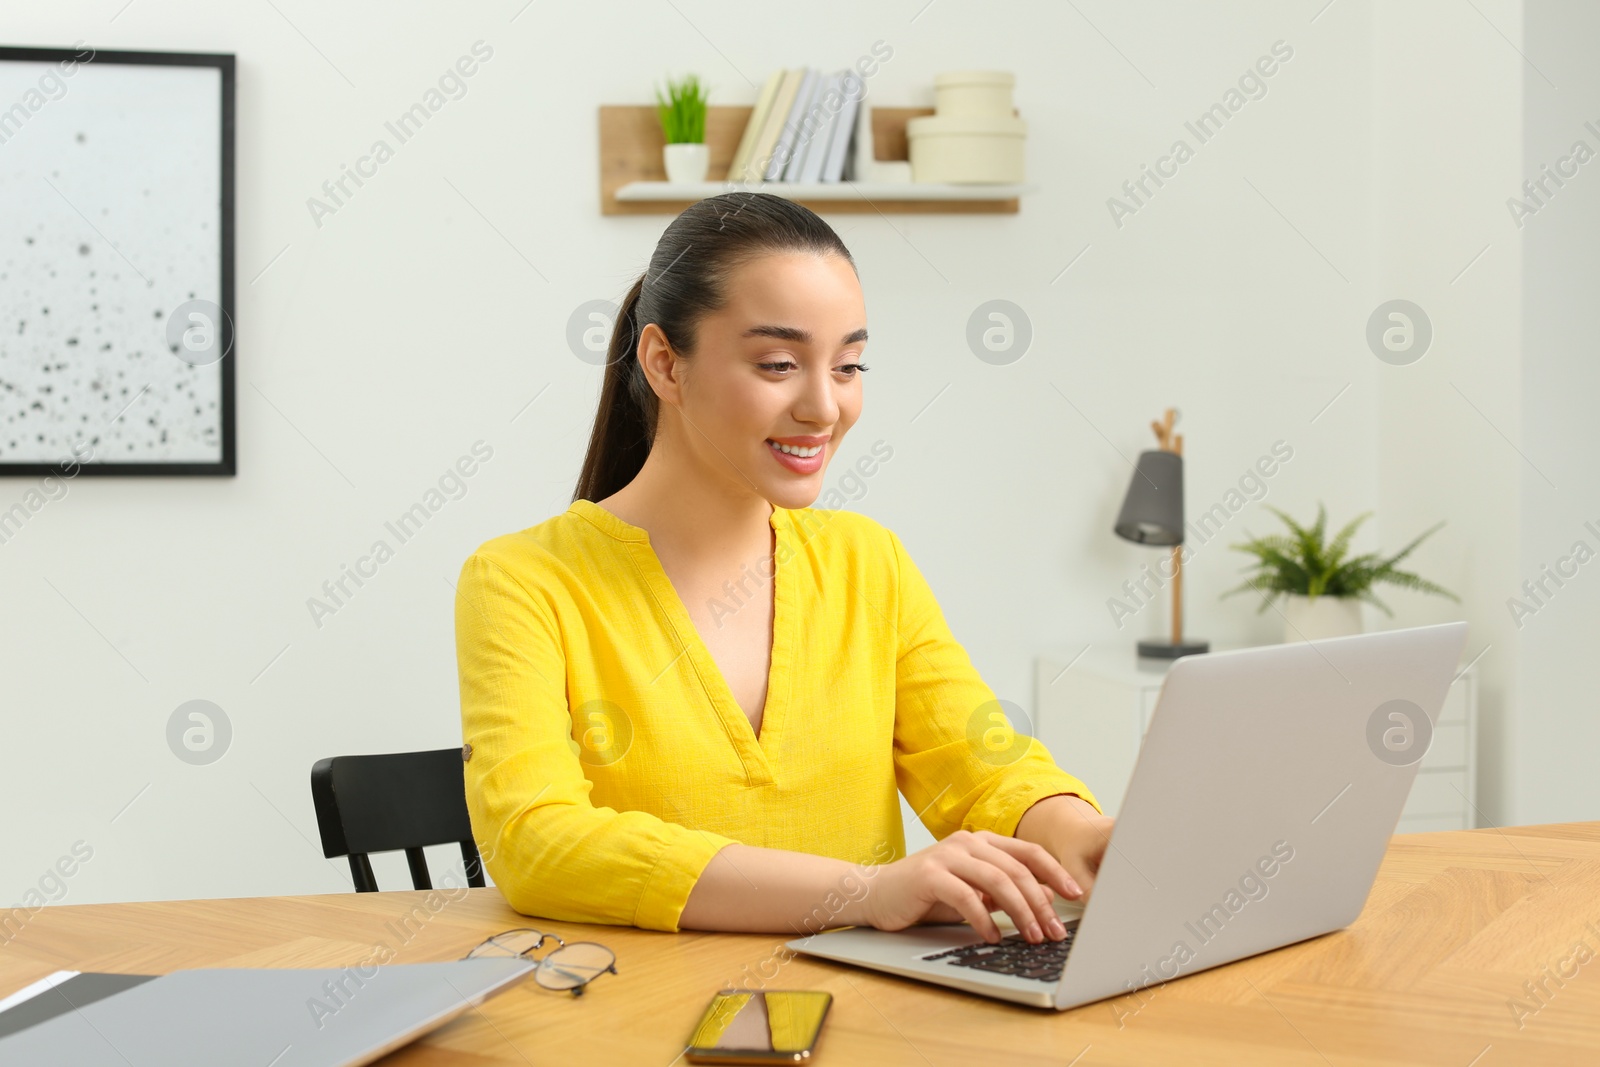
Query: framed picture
117	339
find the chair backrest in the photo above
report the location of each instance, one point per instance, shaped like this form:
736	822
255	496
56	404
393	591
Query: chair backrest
393	802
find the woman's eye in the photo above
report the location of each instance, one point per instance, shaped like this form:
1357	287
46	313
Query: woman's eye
785	363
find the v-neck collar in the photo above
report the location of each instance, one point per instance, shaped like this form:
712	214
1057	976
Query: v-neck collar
753	751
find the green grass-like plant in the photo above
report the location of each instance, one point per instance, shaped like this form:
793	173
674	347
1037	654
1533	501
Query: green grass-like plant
683	111
1302	563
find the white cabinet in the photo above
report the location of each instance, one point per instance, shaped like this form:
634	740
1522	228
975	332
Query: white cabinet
1093	706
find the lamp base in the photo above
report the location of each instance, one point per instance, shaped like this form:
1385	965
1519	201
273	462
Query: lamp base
1168	650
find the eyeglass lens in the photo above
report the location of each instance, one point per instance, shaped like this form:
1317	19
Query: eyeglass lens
512	943
574	965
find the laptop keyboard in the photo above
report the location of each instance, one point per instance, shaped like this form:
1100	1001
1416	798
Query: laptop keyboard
1014	956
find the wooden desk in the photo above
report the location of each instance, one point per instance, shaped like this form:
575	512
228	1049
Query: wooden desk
1454	927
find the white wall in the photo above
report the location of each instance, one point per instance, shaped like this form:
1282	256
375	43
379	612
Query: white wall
1558	730
421	318
1446	131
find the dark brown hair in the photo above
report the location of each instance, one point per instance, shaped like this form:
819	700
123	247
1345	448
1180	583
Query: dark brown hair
686	279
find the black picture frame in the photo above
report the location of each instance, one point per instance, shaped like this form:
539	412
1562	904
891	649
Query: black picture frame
227	465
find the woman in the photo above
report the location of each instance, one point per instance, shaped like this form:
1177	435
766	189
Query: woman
689	700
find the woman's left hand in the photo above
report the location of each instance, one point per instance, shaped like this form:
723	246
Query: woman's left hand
1073	832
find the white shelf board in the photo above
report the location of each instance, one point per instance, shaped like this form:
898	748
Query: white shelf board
823	190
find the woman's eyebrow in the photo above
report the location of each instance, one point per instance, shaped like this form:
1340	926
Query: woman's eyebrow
798	335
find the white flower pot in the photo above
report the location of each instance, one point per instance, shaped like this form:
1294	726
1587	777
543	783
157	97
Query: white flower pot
686	163
1317	618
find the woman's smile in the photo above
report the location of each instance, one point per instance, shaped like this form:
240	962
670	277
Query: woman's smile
803	455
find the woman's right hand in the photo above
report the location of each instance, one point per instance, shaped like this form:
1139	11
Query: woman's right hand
967	875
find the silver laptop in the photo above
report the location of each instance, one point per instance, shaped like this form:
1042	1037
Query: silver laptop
1262	801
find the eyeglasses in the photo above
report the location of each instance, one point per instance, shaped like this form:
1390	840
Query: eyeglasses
568	966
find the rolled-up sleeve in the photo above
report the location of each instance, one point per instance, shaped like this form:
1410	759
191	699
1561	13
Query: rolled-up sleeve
551	851
958	760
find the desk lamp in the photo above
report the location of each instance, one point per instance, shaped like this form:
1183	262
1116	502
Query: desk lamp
1152	514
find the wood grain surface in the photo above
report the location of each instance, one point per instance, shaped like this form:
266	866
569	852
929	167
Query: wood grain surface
1475	948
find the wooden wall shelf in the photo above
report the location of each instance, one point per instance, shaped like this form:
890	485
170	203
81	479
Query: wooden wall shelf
633	178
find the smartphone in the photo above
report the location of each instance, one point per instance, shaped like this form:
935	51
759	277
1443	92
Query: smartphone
772	1026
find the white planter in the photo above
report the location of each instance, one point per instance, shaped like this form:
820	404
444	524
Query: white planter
1316	618
686	162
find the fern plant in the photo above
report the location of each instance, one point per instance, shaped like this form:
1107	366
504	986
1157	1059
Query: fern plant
1301	562
683	111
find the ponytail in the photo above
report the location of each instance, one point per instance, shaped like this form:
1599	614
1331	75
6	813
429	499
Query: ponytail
625	424
686	279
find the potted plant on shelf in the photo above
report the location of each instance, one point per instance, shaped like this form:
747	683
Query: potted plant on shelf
1323	590
683	127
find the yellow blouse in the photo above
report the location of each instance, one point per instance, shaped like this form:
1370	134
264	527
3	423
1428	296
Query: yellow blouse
609	761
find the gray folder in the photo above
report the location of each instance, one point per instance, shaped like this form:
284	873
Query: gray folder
76	992
335	1017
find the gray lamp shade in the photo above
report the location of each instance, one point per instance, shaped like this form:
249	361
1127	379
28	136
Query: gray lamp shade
1152	512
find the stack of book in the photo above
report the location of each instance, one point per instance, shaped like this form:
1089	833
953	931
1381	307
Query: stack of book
802	128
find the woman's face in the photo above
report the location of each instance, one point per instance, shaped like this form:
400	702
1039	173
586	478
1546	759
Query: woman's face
777	363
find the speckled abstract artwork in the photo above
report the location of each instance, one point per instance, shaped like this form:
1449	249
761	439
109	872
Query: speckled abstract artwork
110	185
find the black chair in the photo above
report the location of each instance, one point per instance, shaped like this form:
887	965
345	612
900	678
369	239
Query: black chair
397	801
